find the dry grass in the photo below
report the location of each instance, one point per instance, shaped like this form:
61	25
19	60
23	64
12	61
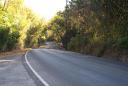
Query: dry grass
13	52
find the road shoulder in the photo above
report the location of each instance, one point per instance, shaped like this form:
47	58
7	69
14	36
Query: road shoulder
13	72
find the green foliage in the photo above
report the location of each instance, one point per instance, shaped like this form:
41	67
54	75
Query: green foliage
35	35
94	25
123	42
7	40
4	33
68	35
16	22
12	40
77	43
57	26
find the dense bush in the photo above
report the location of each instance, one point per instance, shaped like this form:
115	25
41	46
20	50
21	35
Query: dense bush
8	39
94	26
12	40
19	26
123	42
68	35
77	43
34	37
4	34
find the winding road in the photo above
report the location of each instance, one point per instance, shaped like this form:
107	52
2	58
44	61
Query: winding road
63	68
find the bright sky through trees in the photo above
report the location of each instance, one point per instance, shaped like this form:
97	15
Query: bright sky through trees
46	8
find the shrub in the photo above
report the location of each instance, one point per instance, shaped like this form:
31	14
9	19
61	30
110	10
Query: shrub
12	40
77	43
123	42
7	40
4	33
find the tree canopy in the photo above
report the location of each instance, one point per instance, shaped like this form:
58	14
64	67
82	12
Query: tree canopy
17	23
85	26
94	25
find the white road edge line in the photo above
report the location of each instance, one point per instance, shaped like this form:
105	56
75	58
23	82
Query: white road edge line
36	74
6	60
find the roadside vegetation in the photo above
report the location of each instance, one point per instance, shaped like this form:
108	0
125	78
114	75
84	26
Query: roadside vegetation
96	27
19	26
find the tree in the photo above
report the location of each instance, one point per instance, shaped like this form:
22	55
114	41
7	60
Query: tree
101	24
15	21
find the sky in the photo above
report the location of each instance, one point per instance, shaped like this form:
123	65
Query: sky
46	8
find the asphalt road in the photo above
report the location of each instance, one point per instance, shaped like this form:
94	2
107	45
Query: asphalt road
13	72
62	68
